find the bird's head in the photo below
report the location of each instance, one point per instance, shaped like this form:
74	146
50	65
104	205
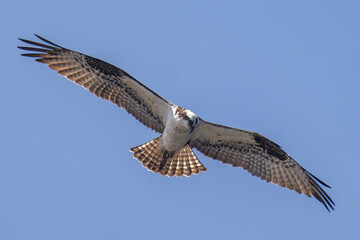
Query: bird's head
192	119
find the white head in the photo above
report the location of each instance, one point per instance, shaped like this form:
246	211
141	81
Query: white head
191	118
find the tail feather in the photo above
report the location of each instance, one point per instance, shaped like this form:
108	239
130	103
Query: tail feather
179	166
186	166
171	170
156	159
166	168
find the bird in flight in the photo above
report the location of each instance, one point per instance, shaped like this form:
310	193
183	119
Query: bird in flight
181	130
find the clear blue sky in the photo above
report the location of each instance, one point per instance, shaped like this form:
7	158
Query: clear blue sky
288	70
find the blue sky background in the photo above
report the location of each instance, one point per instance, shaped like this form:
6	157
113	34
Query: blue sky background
288	70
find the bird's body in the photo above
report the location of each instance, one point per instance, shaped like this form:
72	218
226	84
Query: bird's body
170	153
181	130
178	129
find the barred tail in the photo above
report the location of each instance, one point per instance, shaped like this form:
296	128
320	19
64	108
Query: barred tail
157	159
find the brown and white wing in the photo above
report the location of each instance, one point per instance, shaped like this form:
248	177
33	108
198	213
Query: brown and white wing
259	156
104	80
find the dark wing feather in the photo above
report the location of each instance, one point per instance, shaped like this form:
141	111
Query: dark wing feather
259	156
104	80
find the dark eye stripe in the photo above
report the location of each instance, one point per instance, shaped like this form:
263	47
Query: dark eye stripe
196	121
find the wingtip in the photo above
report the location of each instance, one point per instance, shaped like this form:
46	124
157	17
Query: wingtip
22	39
317	179
38	36
25	55
47	41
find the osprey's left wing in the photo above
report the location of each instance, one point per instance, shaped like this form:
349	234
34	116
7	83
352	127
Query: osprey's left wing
258	155
105	81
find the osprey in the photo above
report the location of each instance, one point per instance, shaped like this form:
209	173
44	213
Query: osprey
181	130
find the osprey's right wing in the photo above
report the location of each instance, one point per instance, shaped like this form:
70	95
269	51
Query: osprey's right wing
105	81
259	156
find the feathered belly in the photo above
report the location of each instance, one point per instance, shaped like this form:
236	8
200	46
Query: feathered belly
175	136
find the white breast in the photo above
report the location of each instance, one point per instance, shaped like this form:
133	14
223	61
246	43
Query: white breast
176	133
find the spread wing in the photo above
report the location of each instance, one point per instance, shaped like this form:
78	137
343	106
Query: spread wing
259	156
104	80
